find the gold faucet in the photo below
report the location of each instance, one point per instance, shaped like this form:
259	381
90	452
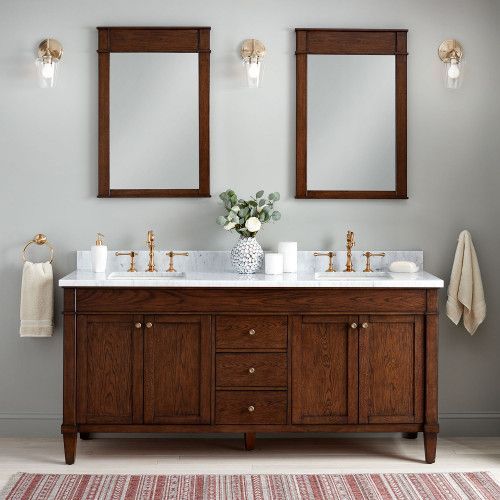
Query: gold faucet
368	268
151	244
171	255
350	244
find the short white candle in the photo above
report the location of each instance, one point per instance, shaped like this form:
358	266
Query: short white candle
274	263
289	251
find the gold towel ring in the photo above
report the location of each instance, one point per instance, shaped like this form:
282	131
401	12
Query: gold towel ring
39	239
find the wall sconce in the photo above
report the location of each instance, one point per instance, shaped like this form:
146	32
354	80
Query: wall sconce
49	55
252	53
452	54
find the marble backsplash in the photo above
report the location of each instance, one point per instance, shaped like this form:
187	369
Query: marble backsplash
219	261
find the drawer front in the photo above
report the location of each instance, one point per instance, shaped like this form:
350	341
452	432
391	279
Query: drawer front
251	370
250	407
251	332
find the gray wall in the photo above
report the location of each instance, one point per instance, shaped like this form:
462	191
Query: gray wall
48	144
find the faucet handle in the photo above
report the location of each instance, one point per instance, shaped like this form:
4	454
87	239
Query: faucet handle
330	256
368	269
171	255
132	255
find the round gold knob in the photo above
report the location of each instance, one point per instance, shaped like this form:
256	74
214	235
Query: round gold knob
138	325
251	409
251	370
251	332
364	325
354	326
149	325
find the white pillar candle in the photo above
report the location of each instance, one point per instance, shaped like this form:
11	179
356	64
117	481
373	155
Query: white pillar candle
289	251
274	263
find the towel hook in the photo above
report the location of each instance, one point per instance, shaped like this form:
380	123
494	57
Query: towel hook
39	239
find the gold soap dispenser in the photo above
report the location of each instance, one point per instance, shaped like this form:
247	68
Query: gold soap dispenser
99	255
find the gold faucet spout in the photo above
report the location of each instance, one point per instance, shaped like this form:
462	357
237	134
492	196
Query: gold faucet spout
151	244
350	243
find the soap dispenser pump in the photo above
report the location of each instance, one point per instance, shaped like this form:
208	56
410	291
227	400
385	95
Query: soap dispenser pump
99	255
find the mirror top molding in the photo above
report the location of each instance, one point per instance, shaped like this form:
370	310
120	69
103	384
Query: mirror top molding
351	41
346	42
155	39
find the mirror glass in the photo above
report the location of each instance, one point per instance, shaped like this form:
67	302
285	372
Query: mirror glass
153	121
351	137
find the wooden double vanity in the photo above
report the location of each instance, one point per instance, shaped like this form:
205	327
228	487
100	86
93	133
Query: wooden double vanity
254	358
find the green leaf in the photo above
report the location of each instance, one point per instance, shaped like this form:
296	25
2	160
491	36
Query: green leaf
262	202
221	220
252	203
276	196
262	217
259	194
276	216
271	197
244	212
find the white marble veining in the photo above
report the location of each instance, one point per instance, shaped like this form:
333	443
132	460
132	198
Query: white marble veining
213	269
200	261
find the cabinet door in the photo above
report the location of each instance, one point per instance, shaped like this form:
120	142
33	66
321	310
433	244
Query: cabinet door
109	369
391	352
177	369
324	369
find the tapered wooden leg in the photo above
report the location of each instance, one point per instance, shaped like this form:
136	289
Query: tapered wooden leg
410	435
85	436
430	442
249	441
70	447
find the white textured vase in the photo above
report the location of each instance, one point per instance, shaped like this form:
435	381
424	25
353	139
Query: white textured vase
247	255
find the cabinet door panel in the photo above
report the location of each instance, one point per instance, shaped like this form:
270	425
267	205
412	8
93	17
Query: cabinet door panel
109	364
324	370
391	369
177	370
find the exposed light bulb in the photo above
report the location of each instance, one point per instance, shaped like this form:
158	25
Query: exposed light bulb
253	69
48	70
453	70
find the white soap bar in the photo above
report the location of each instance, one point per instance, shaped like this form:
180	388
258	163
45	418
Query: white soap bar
403	266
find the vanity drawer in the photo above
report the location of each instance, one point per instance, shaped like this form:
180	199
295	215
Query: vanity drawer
251	332
251	369
250	407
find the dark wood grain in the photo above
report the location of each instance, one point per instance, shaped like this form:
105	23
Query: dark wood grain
177	369
390	354
249	441
232	407
324	370
307	354
221	300
351	42
109	382
430	443
251	369
154	39
235	332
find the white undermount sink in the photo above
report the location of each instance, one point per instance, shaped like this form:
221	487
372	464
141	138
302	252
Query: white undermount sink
144	276
342	275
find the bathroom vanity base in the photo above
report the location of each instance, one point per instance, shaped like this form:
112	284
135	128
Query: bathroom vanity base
177	360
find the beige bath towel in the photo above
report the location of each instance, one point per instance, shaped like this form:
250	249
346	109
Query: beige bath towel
37	300
465	292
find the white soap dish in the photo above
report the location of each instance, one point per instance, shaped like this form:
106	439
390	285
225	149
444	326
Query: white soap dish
403	266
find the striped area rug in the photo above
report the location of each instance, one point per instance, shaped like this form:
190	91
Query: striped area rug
451	486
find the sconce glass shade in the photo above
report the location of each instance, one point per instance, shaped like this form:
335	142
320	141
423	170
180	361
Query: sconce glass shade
253	67
452	55
47	68
252	52
47	63
453	73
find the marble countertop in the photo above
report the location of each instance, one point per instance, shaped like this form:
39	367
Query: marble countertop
421	279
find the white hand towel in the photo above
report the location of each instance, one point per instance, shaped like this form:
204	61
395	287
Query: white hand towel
37	300
465	292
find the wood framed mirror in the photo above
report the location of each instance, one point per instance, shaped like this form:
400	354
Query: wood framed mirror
154	88
351	113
